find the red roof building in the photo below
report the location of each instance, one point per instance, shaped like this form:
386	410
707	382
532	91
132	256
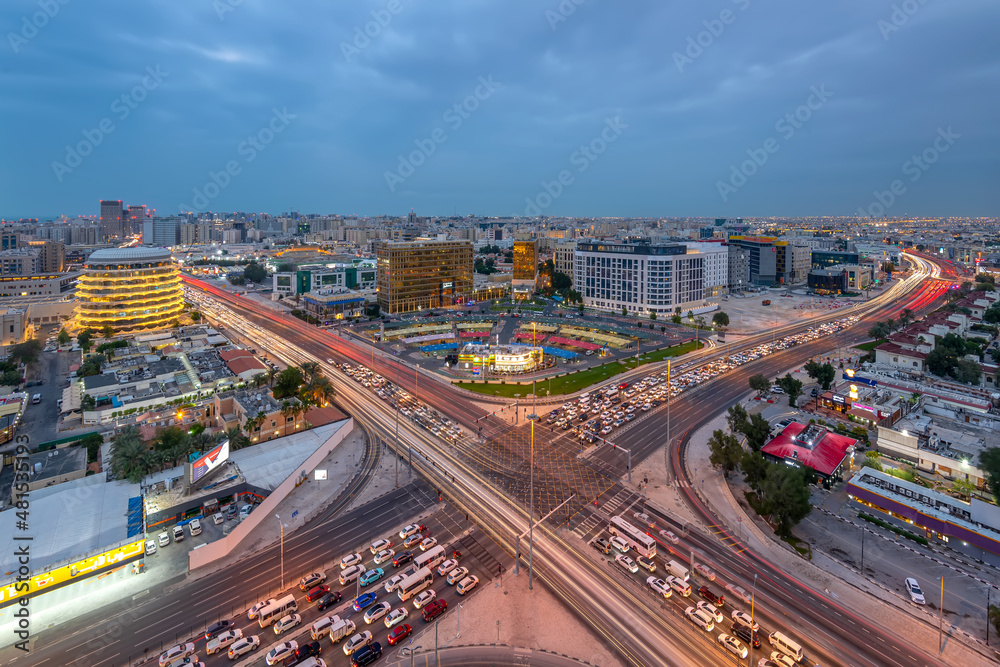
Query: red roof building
812	446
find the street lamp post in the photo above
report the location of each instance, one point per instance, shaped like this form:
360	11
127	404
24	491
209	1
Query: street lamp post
396	452
753	594
281	549
531	486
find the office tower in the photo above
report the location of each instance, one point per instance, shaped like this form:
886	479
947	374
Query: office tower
129	288
136	216
422	274
112	219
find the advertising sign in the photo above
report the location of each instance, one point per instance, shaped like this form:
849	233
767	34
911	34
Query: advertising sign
209	462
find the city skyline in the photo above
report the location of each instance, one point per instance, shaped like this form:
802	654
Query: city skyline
674	111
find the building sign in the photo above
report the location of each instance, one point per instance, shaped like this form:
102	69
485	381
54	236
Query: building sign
68	574
851	376
209	462
838	399
319	475
447	285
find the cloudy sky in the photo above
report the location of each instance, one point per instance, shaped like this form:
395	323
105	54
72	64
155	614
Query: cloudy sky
501	107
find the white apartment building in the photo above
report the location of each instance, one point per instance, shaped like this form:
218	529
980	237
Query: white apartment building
638	277
715	275
564	256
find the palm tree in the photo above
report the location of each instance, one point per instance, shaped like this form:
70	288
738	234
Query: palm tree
259	380
236	439
254	423
319	391
890	324
905	316
130	458
310	370
271	372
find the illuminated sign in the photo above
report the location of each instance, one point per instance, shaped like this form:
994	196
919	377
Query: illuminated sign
319	475
68	574
209	462
447	285
838	399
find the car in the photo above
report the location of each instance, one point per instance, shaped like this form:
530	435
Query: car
379	545
680	586
733	645
243	646
602	545
708	594
434	609
619	544
317	593
467	584
781	659
814	392
659	586
371	576
428	543
457	575
349	560
424	598
254	610
245	511
395	616
176	652
280	652
394	582
223	640
913	589
286	623
447	567
163	539
357	641
646	562
366	655
712	610
311	581
377	611
150	547
744	618
626	563
777	390
310	650
364	600
351	573
328	600
399	633
384	555
217	629
749	636
704	571
412	540
669	536
402	558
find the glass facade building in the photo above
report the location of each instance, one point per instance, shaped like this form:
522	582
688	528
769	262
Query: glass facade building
423	274
129	289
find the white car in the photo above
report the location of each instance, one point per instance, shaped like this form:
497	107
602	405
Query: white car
280	652
447	567
424	598
395	617
349	560
384	555
711	609
150	547
913	588
164	539
351	573
427	543
379	545
743	618
467	584
254	610
224	640
733	645
660	586
457	575
669	536
286	623
781	659
409	530
619	544
244	646
357	641
175	652
377	611
704	571
394	582
626	563
311	581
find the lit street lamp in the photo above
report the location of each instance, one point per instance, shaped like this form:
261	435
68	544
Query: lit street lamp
282	550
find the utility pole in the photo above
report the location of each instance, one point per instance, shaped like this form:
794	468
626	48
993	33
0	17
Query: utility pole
282	550
531	484
941	617
398	391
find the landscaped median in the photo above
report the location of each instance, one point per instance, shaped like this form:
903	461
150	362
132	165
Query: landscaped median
576	380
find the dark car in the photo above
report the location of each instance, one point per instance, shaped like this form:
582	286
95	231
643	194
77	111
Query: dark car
717	600
434	609
603	546
308	651
317	593
743	632
399	633
329	600
217	629
366	655
814	392
402	558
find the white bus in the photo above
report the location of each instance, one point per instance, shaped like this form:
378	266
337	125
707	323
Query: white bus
415	583
430	558
643	544
276	610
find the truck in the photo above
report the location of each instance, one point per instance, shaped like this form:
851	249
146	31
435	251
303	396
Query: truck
765	302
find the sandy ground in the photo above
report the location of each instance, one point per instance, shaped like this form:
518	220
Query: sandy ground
747	315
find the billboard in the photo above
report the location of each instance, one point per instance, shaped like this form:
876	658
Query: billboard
209	462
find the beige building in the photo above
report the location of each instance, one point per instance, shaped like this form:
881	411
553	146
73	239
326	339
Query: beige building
412	275
51	256
563	256
16	328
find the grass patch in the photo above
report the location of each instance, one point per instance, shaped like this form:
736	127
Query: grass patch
801	546
869	346
574	382
899	531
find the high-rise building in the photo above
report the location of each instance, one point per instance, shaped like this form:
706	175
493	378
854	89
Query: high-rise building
739	268
793	261
715	276
525	267
19	262
129	289
762	256
8	240
638	278
563	257
162	232
422	274
112	219
196	233
136	218
51	256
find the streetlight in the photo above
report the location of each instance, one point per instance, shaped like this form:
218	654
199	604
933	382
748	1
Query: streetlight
753	593
282	550
411	651
531	485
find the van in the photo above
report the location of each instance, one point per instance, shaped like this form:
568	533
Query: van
322	626
677	570
784	644
37	398
341	629
700	618
195	527
178	533
682	587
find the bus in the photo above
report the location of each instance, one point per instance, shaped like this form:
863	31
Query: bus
415	583
276	610
430	558
643	544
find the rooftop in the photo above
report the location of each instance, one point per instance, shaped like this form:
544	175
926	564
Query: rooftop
811	445
124	254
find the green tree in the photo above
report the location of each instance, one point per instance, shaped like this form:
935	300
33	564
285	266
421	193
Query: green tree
824	374
26	352
675	318
994	615
786	496
287	382
652	315
737	418
754	467
107	331
580	307
310	370
92	443
992	314
757	431
236	279
726	451
237	440
989	463
792	387
905	317
966	372
759	384
624	311
287	267
195	316
10	378
87	403
720	319
258	380
64	338
130	458
879	331
561	281
255	273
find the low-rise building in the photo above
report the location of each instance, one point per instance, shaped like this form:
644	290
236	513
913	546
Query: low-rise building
335	305
814	447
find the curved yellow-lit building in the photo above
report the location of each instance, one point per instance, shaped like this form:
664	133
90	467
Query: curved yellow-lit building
129	288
